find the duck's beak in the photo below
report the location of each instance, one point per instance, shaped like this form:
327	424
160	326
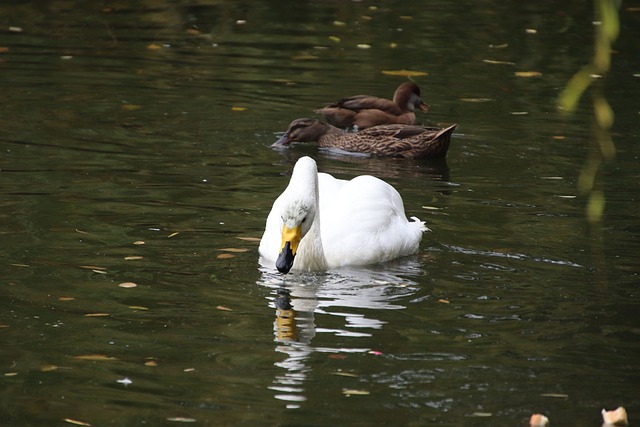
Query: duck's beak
283	141
290	240
423	107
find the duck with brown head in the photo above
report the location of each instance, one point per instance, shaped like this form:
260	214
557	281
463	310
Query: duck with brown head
365	111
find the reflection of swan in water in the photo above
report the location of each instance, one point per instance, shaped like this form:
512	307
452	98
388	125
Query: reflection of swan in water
353	294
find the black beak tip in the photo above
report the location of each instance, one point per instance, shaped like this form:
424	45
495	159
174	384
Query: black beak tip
285	259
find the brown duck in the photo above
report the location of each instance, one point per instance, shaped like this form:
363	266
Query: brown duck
409	141
365	111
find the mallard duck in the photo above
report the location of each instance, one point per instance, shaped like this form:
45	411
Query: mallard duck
408	141
320	222
366	111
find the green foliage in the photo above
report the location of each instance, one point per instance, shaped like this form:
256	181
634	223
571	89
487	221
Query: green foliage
604	148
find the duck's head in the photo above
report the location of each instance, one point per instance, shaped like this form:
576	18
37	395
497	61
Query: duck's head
302	130
298	211
408	95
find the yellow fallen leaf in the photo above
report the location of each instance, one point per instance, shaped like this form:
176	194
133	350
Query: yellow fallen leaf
223	308
558	137
339	24
48	368
304	58
95	357
393	45
182	419
133	258
476	99
444	301
234	108
225	256
345	374
138	307
491	61
482	414
249	239
528	74
97	315
334	39
138	242
76	422
131	107
363	46
177	232
66	298
151	363
3	325
406	17
127	285
404	73
99	271
154	46
352	392
10	374
236	250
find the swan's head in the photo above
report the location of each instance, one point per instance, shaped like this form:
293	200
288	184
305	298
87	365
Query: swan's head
298	211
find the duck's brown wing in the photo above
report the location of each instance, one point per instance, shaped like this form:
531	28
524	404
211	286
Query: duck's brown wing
405	141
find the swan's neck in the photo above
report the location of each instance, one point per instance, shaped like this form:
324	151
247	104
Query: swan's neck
311	252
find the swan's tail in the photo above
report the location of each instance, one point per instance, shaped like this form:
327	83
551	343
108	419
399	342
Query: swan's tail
421	224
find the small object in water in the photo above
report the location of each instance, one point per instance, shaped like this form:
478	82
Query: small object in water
617	417
538	420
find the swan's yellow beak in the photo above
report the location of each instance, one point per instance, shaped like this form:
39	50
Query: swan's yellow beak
290	240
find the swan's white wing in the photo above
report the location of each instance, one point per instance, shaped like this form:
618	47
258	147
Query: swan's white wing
364	223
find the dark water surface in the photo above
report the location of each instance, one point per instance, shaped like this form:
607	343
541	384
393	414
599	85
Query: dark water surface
134	139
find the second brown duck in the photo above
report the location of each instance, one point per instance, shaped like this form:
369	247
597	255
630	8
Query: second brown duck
365	111
409	141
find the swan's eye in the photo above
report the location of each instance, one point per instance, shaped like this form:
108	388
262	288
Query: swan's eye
304	219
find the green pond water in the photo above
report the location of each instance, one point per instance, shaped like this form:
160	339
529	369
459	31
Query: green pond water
135	147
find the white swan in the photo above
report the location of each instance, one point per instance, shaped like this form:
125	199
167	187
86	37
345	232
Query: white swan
322	222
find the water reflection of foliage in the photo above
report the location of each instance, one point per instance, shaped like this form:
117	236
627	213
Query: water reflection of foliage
603	148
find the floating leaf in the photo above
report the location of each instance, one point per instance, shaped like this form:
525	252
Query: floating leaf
235	250
154	46
138	307
498	46
177	232
223	308
482	414
304	58
444	301
476	99
189	369
339	24
249	239
92	267
4	49
15	29
76	422
66	298
334	39
363	46
531	31
151	363
559	137
133	258
10	374
538	420
95	357
97	315
431	208
127	285
182	419
235	108
345	374
131	107
352	392
519	113
404	73
20	265
99	271
492	61
225	256
48	368
528	74
558	395
3	325
393	45
139	242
